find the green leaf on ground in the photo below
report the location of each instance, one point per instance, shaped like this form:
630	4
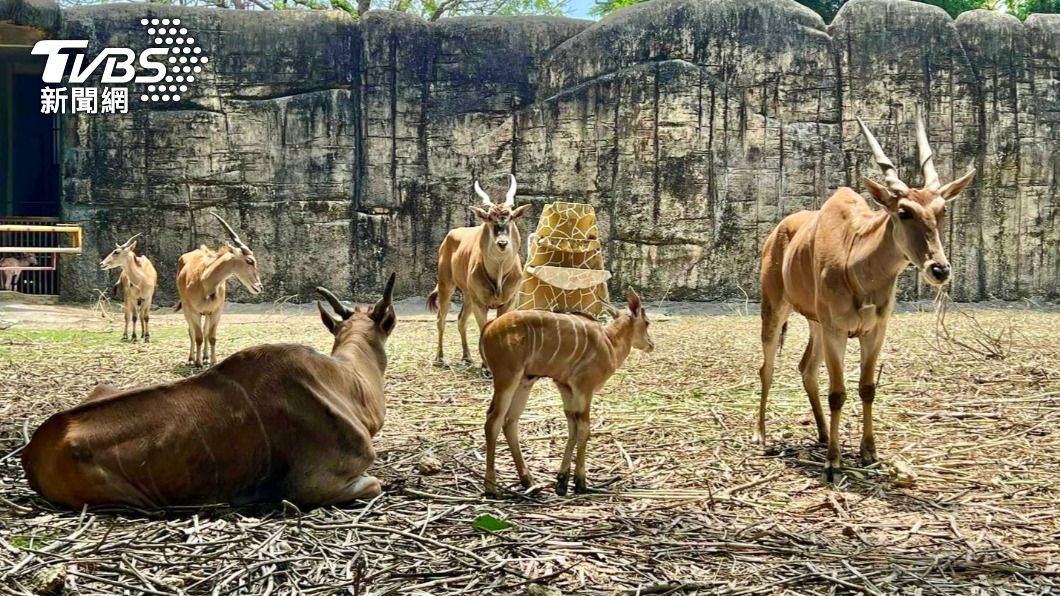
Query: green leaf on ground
488	523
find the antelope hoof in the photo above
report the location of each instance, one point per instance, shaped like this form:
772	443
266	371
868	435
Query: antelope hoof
561	484
579	486
830	473
527	481
492	490
147	339
124	337
868	455
759	437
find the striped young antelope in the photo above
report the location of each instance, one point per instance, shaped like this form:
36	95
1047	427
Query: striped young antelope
839	267
483	263
576	352
138	279
269	423
201	278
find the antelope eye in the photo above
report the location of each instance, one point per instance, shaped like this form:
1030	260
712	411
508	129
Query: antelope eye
904	214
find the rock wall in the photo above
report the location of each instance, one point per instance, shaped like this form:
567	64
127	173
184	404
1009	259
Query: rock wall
343	150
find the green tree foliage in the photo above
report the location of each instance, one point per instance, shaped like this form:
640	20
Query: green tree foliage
828	8
431	10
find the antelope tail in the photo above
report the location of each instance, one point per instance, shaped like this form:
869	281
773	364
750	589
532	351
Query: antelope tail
783	334
177	307
432	300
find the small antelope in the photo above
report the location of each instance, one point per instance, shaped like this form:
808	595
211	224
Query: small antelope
271	422
9	275
483	263
138	279
576	352
839	267
201	277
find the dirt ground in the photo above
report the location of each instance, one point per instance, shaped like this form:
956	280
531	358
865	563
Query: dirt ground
965	501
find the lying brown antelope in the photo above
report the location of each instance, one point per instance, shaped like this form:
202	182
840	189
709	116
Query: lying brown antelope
483	263
576	352
268	423
138	279
838	267
201	277
9	272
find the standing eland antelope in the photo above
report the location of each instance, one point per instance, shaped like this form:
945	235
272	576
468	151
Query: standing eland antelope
138	280
9	272
839	267
576	352
483	263
201	277
269	423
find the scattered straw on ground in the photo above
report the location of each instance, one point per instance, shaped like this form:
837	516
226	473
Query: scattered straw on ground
966	501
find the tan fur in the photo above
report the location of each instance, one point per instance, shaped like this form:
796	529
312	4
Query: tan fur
472	260
138	280
576	352
839	267
9	277
268	423
201	277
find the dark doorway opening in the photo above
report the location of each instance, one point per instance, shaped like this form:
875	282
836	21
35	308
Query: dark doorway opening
34	163
29	159
29	174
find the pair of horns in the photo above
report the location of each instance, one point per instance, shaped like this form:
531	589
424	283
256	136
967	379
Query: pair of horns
231	233
890	173
509	198
128	242
344	311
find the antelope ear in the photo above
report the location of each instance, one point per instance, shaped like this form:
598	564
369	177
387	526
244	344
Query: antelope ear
882	196
520	211
133	245
480	213
633	301
389	320
330	321
951	190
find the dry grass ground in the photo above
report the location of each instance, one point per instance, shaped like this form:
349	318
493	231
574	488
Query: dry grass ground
686	503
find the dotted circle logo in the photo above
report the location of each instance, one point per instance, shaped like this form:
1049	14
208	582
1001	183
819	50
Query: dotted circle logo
184	62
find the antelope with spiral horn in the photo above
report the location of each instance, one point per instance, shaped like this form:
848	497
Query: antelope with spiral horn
271	423
483	263
201	277
839	267
138	280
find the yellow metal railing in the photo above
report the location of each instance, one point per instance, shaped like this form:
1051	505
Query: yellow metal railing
57	231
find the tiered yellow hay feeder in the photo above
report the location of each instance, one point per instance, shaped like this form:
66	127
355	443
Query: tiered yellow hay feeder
565	266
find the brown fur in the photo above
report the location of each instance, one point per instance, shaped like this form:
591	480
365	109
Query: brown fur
839	267
9	277
268	423
576	352
201	277
138	279
471	260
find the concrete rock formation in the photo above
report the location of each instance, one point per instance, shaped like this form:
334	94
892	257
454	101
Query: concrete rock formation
343	150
